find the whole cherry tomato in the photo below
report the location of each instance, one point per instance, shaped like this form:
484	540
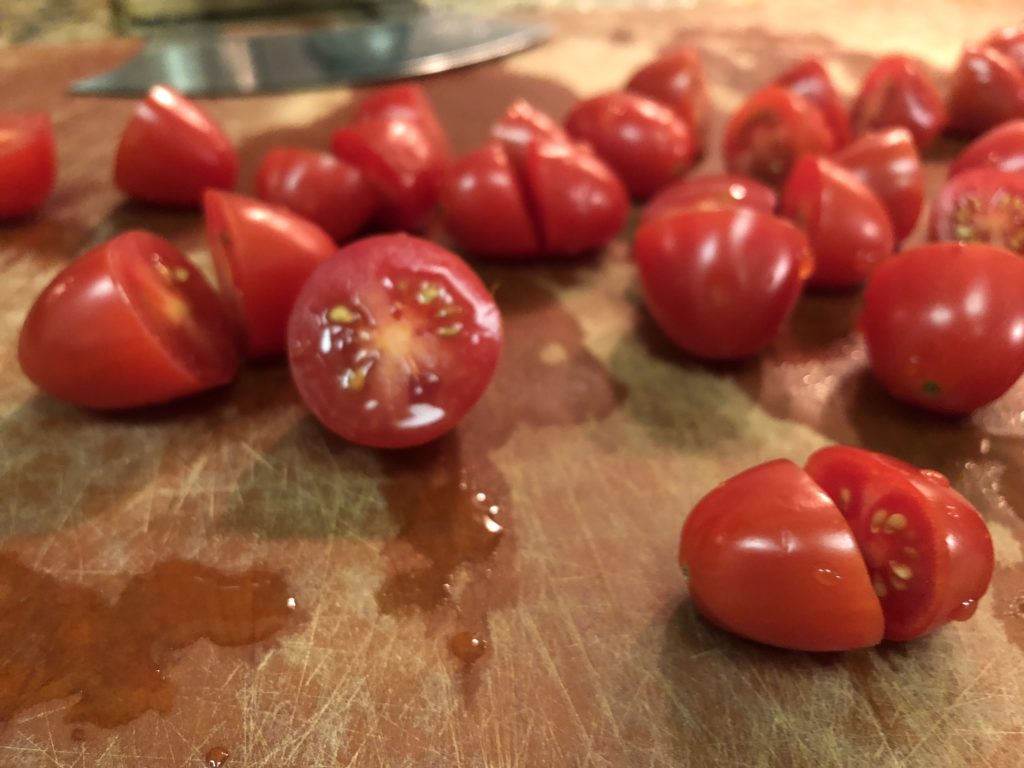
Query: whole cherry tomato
944	325
28	163
407	101
263	255
392	341
982	205
769	557
521	125
768	133
319	187
987	89
676	79
1002	148
644	142
810	80
129	323
888	163
171	151
928	551
1009	41
898	92
722	191
720	283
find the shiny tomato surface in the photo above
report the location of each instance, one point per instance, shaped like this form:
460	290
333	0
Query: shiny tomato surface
810	80
897	92
1002	148
721	191
986	90
28	163
676	79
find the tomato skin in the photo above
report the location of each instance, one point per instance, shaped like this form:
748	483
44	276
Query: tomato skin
809	79
1002	147
987	89
770	557
1009	41
722	191
522	125
943	325
372	358
888	163
846	224
100	336
28	163
407	101
644	142
898	93
912	518
982	205
676	79
319	187
720	283
772	128
171	151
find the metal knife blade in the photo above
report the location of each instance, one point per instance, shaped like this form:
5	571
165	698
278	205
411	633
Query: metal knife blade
222	64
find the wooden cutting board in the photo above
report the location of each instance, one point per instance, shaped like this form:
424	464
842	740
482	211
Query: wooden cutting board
221	581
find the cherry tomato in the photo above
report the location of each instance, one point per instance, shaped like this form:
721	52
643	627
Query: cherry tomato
770	557
987	89
720	283
723	191
129	323
484	208
407	101
1009	41
28	163
773	128
810	80
521	125
319	187
676	79
944	325
887	162
171	151
928	551
644	142
848	228
982	205
263	255
897	92
1002	148
392	341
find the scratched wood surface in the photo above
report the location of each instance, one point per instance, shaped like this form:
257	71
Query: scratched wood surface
546	526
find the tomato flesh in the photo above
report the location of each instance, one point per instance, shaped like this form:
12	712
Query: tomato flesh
28	163
982	205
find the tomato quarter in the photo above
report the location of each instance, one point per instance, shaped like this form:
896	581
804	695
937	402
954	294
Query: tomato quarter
897	92
1009	41
676	79
809	79
1002	148
987	89
28	163
723	191
521	125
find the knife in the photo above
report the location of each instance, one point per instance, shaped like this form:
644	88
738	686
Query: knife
212	63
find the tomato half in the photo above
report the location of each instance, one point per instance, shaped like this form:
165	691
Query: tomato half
897	92
1009	41
770	557
944	325
720	283
521	125
131	322
28	163
982	205
928	551
392	341
1002	148
407	101
722	191
987	89
319	187
676	79
171	151
810	80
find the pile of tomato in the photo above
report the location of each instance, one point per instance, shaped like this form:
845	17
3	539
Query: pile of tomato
392	338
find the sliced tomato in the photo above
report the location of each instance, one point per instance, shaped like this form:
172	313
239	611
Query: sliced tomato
676	79
1002	148
704	192
1009	41
810	80
982	205
987	89
521	125
407	101
897	92
28	163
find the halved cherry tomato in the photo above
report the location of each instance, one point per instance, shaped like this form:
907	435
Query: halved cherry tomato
888	163
768	133
521	125
944	325
263	255
1002	148
810	80
319	187
928	551
676	79
131	322
1009	41
987	89
720	283
28	163
770	557
407	101
898	92
982	205
722	191
392	341
171	151
644	142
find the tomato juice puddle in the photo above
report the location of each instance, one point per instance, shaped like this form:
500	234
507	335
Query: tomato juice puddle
60	640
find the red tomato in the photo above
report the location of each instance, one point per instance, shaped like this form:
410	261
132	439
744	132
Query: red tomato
724	191
1002	148
944	325
987	89
171	151
887	162
263	255
982	205
644	142
720	283
319	187
392	341
28	163
129	323
407	101
847	225
927	549
897	92
770	557
484	208
676	79
521	125
1009	41
810	80
773	128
